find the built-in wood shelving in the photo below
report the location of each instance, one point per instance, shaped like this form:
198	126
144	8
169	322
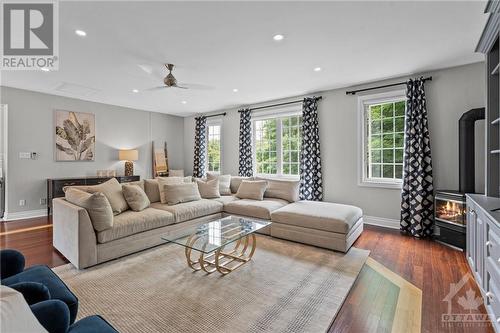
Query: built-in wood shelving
495	70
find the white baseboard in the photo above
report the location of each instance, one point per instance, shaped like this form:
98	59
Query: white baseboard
24	215
381	222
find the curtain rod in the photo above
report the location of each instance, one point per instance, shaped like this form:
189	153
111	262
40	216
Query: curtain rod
281	104
353	92
215	115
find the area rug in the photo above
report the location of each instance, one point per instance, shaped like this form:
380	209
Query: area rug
286	287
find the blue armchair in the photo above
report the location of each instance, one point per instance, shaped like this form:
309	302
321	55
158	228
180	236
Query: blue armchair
13	274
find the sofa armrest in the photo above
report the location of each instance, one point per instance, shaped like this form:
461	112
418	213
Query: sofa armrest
11	263
73	233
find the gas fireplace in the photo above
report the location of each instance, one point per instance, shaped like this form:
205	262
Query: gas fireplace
450	219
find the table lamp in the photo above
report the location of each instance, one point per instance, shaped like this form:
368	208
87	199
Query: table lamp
128	156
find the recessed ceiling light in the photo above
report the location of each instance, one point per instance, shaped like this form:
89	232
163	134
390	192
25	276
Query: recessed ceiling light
184	102
317	69
235	90
80	33
45	69
135	90
278	37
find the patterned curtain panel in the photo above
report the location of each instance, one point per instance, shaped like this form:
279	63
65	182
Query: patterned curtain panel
245	160
311	180
417	196
200	147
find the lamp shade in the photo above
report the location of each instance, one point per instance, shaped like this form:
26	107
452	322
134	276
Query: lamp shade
128	155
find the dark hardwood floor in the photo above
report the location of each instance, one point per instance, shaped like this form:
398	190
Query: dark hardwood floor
370	305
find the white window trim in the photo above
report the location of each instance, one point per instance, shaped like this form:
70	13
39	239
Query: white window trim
213	122
283	112
363	180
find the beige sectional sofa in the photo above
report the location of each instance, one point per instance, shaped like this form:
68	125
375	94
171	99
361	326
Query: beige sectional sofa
322	224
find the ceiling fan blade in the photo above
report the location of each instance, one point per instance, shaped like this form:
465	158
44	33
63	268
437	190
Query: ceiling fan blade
157	88
176	86
198	86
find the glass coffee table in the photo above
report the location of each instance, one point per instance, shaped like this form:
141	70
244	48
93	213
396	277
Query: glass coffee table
223	245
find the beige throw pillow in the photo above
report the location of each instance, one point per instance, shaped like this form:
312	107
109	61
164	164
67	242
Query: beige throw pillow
282	189
15	313
179	193
162	181
208	189
96	204
224	182
136	197
152	189
112	189
252	189
236	181
140	183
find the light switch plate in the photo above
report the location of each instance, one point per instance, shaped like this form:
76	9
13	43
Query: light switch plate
22	202
24	155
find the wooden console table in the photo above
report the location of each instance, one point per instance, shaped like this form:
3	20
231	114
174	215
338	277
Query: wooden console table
55	185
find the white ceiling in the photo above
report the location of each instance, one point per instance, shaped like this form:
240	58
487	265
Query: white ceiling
229	45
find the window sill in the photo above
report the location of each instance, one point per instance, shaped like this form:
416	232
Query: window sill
391	186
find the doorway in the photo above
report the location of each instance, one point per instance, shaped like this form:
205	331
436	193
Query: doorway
3	159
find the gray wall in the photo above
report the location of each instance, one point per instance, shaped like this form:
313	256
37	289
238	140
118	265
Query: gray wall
31	129
452	92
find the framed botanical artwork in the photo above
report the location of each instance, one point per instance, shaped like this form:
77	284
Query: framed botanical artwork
75	136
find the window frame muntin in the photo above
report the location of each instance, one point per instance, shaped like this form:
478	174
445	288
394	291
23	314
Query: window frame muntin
363	162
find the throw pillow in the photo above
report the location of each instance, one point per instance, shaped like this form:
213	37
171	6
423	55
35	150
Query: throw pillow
113	191
236	181
179	193
208	189
162	181
224	182
136	197
96	204
252	189
152	189
140	183
282	189
15	313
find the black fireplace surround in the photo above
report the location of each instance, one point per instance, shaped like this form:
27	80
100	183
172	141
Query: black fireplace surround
449	205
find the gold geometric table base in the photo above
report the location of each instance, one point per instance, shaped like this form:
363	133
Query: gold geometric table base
223	262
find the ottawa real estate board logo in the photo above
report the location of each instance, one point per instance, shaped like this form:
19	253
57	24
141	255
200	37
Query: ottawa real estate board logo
30	35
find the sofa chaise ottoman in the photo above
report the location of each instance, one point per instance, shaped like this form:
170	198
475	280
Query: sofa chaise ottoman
324	224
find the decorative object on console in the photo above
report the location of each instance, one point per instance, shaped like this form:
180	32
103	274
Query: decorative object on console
311	180
160	160
200	147
417	196
129	156
75	136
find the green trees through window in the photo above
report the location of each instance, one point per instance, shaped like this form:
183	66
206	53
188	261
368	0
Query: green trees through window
214	148
277	145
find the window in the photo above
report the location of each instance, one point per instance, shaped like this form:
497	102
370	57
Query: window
382	139
214	148
277	145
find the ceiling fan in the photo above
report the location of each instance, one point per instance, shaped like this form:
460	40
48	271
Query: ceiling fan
170	81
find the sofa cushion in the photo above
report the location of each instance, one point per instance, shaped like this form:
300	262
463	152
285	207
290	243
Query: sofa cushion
325	216
57	288
255	208
130	223
224	199
113	191
179	193
224	182
208	189
191	210
152	189
162	181
252	189
282	189
136	197
96	204
15	313
236	182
